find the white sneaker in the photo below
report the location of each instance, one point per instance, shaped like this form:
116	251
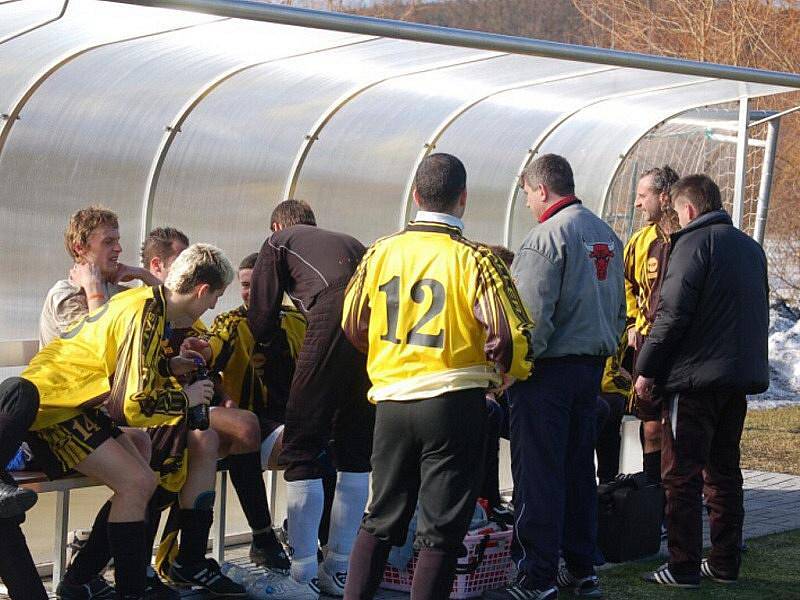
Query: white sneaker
331	584
274	584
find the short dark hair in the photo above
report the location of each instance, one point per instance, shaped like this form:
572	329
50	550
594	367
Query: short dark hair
553	171
700	190
503	253
663	178
293	212
159	243
249	261
439	181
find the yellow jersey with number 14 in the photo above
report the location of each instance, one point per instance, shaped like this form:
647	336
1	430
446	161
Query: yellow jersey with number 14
435	313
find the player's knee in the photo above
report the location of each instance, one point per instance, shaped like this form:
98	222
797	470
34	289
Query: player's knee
203	444
250	432
141	441
139	486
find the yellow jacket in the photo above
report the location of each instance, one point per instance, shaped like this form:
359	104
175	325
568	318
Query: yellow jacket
114	355
435	313
232	345
646	255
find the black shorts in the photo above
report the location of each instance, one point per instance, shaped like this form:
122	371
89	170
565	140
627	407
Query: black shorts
58	448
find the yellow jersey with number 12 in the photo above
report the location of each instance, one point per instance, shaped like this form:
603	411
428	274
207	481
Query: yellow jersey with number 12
435	313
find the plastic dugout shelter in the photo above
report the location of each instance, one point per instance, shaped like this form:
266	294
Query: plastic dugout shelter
204	114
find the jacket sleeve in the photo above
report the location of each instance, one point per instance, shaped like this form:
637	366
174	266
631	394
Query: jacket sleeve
538	279
680	295
499	307
356	309
631	285
266	293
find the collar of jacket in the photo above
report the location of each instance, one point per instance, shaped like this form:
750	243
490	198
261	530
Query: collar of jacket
432	227
710	218
557	206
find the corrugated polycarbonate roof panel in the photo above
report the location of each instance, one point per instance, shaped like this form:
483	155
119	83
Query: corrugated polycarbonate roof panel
107	124
85	24
378	137
596	139
22	15
236	150
203	123
512	123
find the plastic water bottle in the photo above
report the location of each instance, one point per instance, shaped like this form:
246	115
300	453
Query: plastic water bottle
238	574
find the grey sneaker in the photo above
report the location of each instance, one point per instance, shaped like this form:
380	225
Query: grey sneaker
331	584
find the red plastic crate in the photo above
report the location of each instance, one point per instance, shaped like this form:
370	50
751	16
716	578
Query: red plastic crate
486	566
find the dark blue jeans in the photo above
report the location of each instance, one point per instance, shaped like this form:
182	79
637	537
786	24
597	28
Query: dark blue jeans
553	432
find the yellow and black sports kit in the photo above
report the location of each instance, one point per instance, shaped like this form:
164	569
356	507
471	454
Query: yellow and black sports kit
646	256
112	357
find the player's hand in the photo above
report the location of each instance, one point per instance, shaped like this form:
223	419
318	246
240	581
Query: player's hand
129	273
644	387
193	346
200	392
87	275
633	340
507	382
184	364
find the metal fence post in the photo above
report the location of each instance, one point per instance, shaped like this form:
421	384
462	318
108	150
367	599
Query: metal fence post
765	189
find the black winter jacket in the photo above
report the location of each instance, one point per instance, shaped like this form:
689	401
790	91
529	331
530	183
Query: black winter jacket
711	328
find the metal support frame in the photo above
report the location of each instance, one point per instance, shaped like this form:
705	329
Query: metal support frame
60	536
260	11
765	188
220	508
740	176
37	26
629	217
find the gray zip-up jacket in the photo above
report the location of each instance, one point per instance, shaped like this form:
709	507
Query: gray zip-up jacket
569	273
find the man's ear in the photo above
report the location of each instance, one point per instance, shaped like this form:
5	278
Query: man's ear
543	190
416	196
201	290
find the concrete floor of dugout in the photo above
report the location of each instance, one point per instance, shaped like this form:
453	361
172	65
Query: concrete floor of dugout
772	505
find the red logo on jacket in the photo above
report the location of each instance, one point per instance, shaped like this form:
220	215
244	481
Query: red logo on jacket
601	253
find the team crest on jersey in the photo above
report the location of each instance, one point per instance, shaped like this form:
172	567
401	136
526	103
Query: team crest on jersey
601	253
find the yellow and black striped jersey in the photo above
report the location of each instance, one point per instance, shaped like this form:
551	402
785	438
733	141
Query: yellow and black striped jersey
646	255
114	355
435	313
614	381
232	344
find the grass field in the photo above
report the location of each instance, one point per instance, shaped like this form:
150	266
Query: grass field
770	570
771	441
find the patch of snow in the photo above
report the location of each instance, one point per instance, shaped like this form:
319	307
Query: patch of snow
784	359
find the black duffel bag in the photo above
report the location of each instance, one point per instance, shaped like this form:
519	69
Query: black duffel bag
630	510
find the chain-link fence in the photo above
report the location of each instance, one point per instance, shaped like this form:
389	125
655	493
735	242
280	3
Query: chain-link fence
697	141
704	141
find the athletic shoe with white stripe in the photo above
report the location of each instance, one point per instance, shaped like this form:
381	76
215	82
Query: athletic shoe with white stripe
519	590
663	576
206	575
586	587
706	570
